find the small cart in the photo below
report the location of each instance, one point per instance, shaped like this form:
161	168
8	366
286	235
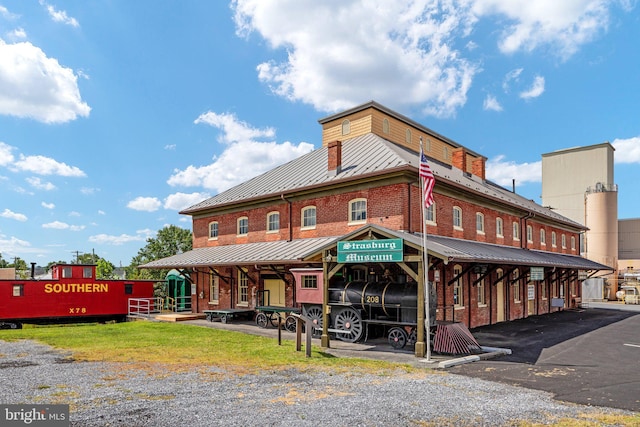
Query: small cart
226	314
275	315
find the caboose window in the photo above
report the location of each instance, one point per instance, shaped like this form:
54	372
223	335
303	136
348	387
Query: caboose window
18	290
66	272
87	273
128	288
310	282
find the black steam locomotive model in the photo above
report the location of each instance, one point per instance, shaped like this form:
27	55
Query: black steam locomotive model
358	306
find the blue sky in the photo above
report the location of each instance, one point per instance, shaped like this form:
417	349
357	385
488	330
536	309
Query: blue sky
116	114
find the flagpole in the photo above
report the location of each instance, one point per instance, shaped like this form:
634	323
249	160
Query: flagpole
425	261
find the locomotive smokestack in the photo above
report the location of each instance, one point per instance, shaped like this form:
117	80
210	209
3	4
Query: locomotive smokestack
33	270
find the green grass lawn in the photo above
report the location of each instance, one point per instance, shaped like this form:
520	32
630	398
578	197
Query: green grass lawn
183	345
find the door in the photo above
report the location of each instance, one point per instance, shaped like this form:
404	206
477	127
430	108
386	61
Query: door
500	301
274	288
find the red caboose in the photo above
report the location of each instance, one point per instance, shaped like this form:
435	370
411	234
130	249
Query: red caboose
71	294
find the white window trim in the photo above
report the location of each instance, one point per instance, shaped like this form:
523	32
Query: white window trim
308	227
498	232
238	226
457	209
529	234
515	228
212	279
480	216
216	237
269	215
431	208
359	221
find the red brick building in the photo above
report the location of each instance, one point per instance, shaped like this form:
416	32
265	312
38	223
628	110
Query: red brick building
493	255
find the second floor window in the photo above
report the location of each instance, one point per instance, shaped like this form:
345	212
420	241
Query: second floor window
516	231
273	221
213	230
358	210
543	237
457	217
499	227
529	234
309	217
243	226
431	213
479	223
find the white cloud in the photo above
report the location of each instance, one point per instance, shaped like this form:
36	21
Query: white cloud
42	165
179	201
230	168
627	150
17	34
58	225
6	157
35	86
170	147
503	172
562	25
491	103
13	215
536	89
13	245
141	236
344	53
60	15
36	182
148	204
88	191
511	76
48	205
4	12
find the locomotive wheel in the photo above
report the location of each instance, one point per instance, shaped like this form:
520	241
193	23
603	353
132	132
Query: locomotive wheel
397	338
315	314
290	324
261	320
349	320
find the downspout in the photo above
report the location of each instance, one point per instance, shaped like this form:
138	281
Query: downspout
523	227
409	204
289	226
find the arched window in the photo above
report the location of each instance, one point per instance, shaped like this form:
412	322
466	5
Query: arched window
554	241
445	153
479	223
427	145
407	136
357	211
308	219
457	217
499	227
346	127
458	291
543	237
516	285
529	234
386	127
213	230
243	226
564	241
273	221
573	243
516	231
431	214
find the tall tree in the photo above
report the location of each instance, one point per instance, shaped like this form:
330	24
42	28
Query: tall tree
170	240
105	269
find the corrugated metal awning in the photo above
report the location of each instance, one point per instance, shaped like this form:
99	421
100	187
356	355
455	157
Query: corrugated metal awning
277	252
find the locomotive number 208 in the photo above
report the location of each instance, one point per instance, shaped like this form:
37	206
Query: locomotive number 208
372	299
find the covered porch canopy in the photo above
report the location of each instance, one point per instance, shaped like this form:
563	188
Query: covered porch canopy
324	251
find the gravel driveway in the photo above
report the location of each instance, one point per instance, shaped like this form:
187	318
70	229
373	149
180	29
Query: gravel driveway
120	394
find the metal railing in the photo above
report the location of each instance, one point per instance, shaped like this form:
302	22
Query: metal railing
144	306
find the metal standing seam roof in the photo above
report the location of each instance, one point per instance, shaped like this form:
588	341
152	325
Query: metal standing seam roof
361	156
446	248
276	252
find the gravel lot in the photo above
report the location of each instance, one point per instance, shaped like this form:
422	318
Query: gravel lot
117	394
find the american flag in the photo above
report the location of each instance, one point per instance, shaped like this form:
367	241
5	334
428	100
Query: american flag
428	181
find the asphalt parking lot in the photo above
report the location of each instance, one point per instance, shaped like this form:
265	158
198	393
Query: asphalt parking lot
590	356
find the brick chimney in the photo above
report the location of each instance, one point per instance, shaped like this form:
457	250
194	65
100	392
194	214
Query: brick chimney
478	167
334	150
459	159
